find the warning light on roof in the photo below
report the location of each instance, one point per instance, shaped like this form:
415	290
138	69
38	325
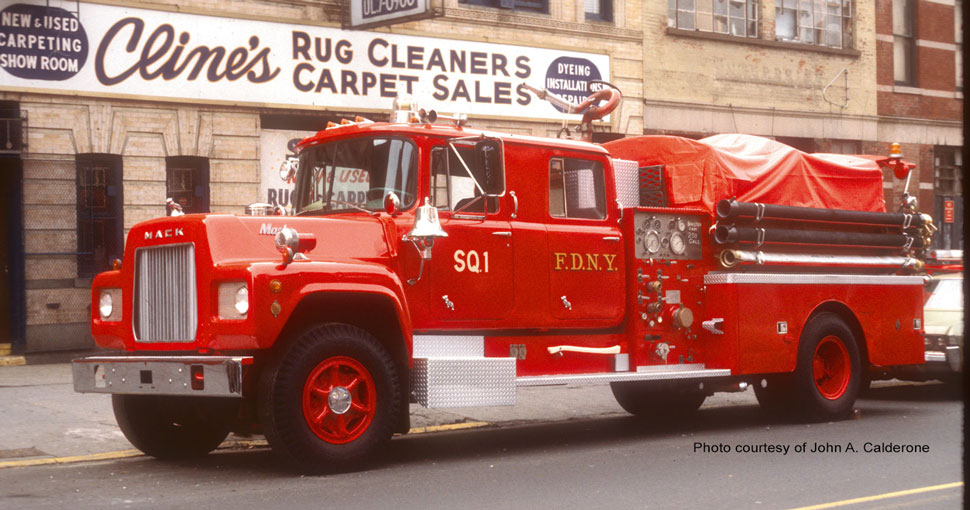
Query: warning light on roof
895	150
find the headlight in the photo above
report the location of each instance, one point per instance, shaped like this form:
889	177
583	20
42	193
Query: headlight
242	300
233	300
105	306
109	305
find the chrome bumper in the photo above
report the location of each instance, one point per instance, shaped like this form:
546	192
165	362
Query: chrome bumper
204	376
952	357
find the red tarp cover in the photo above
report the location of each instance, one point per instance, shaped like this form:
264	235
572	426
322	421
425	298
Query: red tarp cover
755	169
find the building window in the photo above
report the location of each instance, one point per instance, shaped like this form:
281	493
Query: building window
904	44
734	17
958	39
519	5
187	182
576	189
100	234
821	22
598	10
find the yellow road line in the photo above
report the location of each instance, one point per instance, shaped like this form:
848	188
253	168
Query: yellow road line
68	460
882	496
250	443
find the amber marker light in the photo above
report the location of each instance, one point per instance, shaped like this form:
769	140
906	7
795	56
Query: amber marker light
895	150
275	286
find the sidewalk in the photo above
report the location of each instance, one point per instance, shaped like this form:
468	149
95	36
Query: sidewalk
41	416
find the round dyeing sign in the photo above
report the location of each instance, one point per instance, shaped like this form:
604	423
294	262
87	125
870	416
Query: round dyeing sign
569	77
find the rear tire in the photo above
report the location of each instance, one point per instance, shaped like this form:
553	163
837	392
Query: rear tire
828	375
657	400
168	427
775	397
330	400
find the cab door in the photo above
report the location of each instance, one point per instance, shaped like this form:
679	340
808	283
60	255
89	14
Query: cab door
471	274
585	251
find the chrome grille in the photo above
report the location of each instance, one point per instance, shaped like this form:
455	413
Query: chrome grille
165	304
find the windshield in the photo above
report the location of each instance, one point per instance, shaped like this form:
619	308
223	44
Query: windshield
356	174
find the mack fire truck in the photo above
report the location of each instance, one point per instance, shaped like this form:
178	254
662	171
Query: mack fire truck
428	262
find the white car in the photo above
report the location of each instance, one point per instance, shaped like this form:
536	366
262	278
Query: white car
943	322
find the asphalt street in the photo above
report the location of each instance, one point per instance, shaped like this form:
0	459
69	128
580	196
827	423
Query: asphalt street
561	447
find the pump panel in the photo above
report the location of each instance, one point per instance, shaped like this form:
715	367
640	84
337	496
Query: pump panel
667	236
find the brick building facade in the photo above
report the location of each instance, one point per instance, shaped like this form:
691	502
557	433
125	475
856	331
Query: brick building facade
101	139
920	100
94	141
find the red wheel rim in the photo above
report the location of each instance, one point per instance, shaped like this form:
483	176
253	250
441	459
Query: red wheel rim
830	368
339	400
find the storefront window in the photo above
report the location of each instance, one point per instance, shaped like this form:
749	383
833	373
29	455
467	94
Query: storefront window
100	234
187	182
821	22
948	197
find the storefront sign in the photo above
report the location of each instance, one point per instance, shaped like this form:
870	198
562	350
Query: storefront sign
123	51
948	211
374	13
275	146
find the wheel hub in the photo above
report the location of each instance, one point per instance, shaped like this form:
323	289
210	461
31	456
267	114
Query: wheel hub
340	400
830	368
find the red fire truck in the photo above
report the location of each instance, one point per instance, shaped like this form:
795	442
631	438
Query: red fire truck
428	262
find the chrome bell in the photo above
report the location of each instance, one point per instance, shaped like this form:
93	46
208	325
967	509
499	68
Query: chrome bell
426	225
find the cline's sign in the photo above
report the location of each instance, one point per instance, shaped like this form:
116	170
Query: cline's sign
371	13
127	51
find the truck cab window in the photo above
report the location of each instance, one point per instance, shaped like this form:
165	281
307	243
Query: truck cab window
577	189
356	174
452	186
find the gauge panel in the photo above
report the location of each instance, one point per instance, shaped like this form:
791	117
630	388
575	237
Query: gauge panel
667	236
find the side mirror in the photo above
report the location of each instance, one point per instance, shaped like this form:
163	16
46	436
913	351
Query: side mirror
288	169
392	204
489	151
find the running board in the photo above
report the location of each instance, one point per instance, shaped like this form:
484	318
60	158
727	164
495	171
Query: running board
468	381
651	373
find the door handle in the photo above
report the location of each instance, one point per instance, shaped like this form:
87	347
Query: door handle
614	239
515	204
502	233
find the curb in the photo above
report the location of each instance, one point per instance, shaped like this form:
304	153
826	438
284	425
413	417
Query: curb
12	361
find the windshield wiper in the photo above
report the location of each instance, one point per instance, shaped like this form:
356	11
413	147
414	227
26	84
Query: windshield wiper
355	206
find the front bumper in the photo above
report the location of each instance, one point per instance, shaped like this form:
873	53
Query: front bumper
204	376
949	359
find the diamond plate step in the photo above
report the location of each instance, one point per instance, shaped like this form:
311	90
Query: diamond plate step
463	381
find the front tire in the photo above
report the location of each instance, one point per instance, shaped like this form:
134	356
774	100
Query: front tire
330	400
828	375
173	427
